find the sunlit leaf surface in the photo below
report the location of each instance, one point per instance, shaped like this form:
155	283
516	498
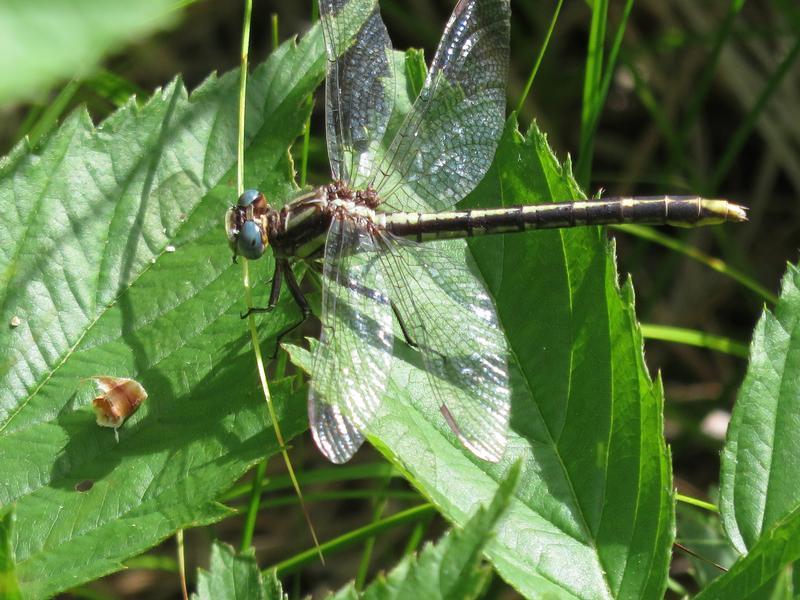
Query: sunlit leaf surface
592	516
230	576
761	460
113	261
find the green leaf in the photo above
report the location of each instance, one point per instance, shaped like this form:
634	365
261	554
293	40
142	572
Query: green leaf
272	586
761	574
9	586
593	513
762	451
415	70
44	41
230	576
451	569
701	531
113	261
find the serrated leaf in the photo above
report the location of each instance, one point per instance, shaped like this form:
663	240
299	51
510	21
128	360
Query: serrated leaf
761	459
44	41
272	586
593	514
113	261
450	569
230	576
9	586
761	574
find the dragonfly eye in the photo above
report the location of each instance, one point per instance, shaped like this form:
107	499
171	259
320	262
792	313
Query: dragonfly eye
249	197
249	242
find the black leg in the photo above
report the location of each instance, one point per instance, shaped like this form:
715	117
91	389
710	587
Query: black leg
299	299
409	340
275	291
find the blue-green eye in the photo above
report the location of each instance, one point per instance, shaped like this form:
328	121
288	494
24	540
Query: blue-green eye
249	243
248	197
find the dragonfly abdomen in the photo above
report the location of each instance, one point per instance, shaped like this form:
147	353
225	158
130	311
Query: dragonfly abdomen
680	211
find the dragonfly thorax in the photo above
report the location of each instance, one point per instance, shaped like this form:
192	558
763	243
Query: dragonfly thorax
298	229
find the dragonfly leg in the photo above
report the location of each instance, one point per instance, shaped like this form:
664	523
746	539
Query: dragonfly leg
274	294
409	340
299	299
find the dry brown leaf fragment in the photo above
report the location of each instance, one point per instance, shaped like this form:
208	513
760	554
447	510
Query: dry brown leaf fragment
119	398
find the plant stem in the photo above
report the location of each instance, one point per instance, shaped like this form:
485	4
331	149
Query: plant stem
539	58
720	266
411	515
693	337
253	505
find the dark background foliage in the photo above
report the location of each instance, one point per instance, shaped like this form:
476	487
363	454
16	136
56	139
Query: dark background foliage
660	132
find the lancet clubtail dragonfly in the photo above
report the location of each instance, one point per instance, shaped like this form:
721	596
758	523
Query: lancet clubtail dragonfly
375	227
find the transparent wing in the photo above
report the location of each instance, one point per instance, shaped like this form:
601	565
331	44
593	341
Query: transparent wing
452	319
359	85
352	361
447	141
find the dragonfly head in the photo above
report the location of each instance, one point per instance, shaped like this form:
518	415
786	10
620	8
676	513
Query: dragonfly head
245	227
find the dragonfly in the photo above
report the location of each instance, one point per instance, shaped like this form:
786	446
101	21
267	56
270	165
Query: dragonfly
379	227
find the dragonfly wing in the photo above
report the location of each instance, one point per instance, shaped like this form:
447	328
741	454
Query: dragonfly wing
448	140
359	85
352	362
452	319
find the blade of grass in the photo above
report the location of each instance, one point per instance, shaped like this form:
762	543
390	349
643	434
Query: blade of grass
691	552
412	515
368	494
280	365
34	112
697	502
701	88
417	534
307	129
304	152
693	337
677	589
648	233
261	468
379	502
591	86
539	58
253	505
743	131
274	30
181	564
589	128
54	110
248	10
113	88
333	474
251	323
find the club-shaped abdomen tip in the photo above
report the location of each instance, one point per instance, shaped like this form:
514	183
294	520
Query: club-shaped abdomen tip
716	211
737	213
